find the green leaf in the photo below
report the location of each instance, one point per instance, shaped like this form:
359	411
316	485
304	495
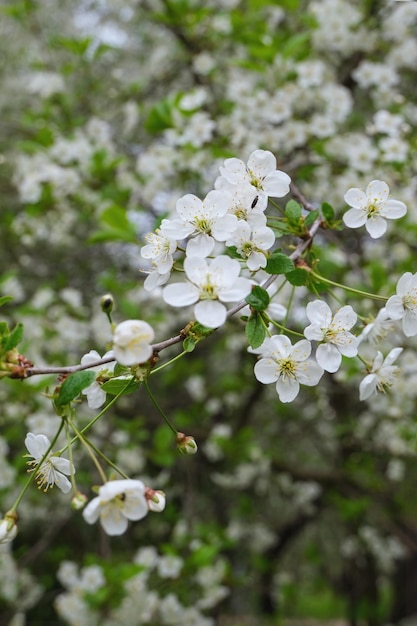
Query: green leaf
116	227
311	218
328	211
279	263
258	298
189	344
114	386
255	330
73	386
160	117
10	341
5	299
293	210
297	277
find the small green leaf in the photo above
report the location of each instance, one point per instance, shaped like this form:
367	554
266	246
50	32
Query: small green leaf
311	218
279	263
5	299
73	386
114	386
293	210
258	298
297	277
328	211
255	330
10	341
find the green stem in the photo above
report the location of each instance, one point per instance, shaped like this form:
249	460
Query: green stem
287	330
346	288
175	358
155	402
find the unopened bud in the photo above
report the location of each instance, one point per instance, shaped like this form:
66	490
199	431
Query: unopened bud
107	303
156	500
8	527
186	444
78	501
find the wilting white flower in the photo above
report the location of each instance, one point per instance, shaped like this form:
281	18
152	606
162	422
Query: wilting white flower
53	468
96	397
132	342
210	283
377	329
382	375
372	208
117	502
287	365
333	332
403	306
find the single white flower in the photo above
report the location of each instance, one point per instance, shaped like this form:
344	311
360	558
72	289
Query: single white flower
207	221
53	470
132	342
403	306
209	284
382	375
287	365
378	329
372	208
159	251
333	332
260	172
117	502
252	244
246	202
8	530
96	397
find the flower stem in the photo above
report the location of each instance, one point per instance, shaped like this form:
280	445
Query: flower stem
373	296
175	358
155	402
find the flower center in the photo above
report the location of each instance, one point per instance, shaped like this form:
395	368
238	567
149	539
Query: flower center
203	225
208	291
372	209
287	368
410	301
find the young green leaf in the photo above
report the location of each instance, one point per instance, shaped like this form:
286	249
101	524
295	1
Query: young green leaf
255	330
297	277
293	210
10	341
114	386
258	298
73	386
279	263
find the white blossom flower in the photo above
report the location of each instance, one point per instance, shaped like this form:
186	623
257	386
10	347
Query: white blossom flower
96	397
382	374
403	306
372	208
117	502
252	244
132	342
210	283
287	365
8	530
333	332
53	470
261	172
378	329
156	500
207	220
159	250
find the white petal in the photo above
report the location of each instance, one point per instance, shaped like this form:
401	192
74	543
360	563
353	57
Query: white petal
376	226
241	288
287	389
367	386
377	191
266	371
112	519
200	246
354	218
91	513
319	312
393	209
262	162
210	313
62	482
136	506
329	357
301	350
309	373
395	308
188	207
392	356
62	465
180	294
277	184
356	198
37	445
410	324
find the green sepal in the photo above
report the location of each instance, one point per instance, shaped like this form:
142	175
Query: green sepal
279	263
255	330
189	344
258	298
73	386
